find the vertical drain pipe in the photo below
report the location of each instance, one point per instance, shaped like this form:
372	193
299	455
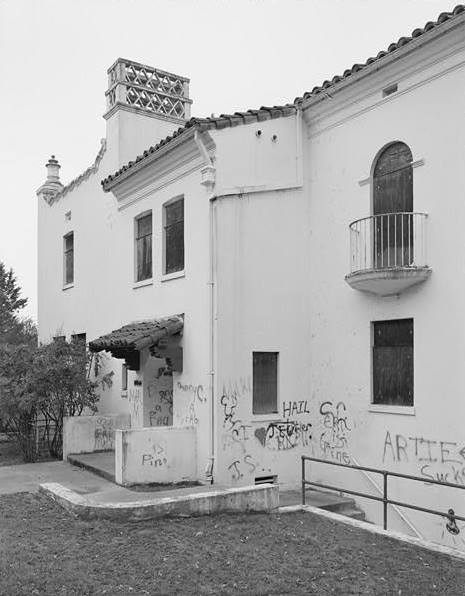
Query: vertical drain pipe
208	174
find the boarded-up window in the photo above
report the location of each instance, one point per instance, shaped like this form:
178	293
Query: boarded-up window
393	203
265	382
174	236
393	362
144	247
68	245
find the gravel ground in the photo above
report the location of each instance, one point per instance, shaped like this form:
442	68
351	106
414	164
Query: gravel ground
44	550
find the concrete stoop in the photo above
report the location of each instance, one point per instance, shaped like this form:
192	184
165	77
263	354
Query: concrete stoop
101	463
263	498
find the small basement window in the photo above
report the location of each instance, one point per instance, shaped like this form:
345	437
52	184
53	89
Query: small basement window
266	480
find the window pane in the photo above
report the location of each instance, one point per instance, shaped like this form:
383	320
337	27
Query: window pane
69	266
144	257
393	362
174	212
174	256
144	225
265	382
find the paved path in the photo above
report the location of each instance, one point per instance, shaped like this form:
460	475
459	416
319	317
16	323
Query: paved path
27	477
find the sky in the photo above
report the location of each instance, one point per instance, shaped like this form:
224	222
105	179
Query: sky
239	54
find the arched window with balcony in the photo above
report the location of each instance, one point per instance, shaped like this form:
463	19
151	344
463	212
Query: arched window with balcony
393	207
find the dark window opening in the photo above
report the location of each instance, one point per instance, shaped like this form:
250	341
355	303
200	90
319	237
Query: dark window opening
265	383
266	480
174	236
144	247
69	258
393	362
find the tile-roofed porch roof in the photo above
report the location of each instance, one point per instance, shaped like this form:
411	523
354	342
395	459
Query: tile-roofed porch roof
134	337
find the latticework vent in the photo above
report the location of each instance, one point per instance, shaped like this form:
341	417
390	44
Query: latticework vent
148	88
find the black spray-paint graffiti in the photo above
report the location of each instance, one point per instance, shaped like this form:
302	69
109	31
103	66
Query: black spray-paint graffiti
103	434
437	460
294	408
135	402
237	434
197	391
197	395
232	424
157	459
240	467
334	438
282	436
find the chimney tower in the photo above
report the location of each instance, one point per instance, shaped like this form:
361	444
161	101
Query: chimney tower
144	105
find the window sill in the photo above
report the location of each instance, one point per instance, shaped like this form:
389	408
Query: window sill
124	393
68	286
273	417
385	409
142	283
174	275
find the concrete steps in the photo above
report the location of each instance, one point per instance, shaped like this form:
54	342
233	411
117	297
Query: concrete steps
323	500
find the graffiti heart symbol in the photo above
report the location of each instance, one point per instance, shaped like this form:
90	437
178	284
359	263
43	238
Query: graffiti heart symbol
260	433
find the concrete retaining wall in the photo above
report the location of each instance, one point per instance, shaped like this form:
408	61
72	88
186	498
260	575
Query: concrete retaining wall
263	498
85	434
157	454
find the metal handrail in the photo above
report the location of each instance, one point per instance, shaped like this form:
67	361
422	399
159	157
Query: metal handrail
450	515
388	241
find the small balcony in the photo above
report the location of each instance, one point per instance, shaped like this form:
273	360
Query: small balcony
388	253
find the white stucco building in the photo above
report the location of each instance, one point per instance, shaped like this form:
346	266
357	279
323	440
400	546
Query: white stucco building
281	282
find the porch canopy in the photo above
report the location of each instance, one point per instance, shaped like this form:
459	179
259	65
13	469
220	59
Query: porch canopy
159	335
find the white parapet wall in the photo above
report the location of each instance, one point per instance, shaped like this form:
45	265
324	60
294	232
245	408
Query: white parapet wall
86	434
156	455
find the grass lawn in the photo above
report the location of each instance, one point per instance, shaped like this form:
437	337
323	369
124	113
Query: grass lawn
43	550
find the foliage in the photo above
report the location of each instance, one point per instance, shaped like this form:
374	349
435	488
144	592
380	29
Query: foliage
10	300
13	330
47	383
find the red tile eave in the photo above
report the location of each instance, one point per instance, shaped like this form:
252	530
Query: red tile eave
394	51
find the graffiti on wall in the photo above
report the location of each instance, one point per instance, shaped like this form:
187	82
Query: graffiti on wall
197	395
157	458
284	435
437	460
236	433
135	403
334	440
103	434
295	408
245	465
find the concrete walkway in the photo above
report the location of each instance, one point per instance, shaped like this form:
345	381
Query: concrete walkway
27	477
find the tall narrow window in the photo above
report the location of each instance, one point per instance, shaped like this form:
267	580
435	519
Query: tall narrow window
393	205
174	236
124	377
144	247
68	265
393	362
265	383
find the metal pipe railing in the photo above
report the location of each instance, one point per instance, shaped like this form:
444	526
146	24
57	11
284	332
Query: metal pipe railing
450	515
388	240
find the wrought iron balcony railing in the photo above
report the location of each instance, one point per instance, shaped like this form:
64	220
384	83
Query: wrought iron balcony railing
389	240
388	252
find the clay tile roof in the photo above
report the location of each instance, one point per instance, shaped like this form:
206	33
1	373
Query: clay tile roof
203	124
403	41
137	336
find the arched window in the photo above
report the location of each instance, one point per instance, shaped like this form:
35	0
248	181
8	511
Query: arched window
392	207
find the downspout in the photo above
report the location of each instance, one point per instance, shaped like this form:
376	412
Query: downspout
208	180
